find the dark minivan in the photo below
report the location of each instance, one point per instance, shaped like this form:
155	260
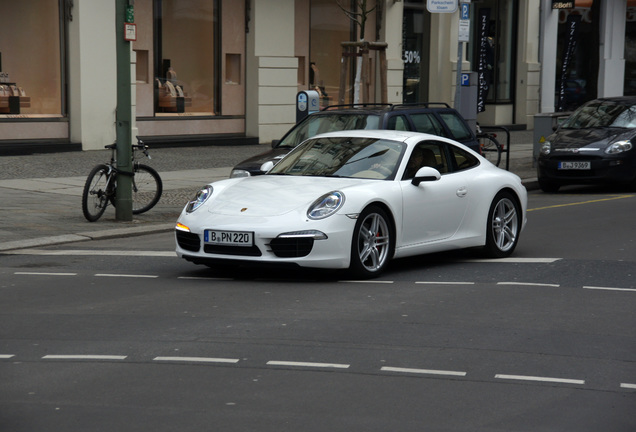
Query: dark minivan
433	118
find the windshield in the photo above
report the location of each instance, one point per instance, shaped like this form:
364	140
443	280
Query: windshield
316	124
602	114
343	157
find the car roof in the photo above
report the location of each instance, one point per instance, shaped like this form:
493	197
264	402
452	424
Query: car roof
379	108
625	100
394	135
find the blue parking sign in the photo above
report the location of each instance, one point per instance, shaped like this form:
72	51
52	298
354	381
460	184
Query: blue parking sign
465	80
465	13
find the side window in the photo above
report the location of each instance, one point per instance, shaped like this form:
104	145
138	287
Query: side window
457	126
463	159
398	122
426	153
427	123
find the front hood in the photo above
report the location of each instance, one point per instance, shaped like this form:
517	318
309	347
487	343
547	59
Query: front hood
273	195
598	138
254	163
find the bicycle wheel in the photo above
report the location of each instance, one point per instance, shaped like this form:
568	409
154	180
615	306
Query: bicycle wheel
146	188
490	149
95	196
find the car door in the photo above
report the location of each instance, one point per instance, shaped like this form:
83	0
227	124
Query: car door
433	210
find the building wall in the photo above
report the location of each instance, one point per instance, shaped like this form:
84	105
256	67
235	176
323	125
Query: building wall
272	69
392	35
92	74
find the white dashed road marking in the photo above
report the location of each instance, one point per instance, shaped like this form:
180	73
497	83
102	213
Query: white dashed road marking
83	357
307	364
423	371
45	274
196	359
540	379
609	288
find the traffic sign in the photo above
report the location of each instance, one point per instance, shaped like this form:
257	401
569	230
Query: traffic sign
441	6
465	13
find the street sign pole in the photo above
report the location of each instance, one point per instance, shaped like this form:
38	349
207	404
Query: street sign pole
123	118
463	36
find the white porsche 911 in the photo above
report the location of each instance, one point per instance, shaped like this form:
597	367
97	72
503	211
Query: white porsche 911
354	200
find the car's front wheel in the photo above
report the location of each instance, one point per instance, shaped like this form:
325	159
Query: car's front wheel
504	226
372	244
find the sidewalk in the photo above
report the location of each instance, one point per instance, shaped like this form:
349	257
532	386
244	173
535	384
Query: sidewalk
41	194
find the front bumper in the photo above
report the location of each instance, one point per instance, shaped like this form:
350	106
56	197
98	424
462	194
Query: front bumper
270	247
602	169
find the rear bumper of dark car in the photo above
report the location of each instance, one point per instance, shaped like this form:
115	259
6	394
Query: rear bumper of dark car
602	170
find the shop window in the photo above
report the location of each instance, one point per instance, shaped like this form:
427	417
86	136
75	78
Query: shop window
329	28
30	59
493	50
577	62
186	57
232	68
416	42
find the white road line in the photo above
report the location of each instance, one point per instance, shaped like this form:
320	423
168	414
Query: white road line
539	379
423	371
205	278
83	357
307	364
45	274
6	356
529	284
82	252
443	283
196	359
367	281
125	275
628	386
513	260
609	288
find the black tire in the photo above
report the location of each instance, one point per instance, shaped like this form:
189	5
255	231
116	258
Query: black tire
95	197
146	188
503	226
547	186
490	149
372	244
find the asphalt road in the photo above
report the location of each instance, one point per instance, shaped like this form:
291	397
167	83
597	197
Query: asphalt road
121	335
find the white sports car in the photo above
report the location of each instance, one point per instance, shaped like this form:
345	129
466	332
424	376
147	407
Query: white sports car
356	199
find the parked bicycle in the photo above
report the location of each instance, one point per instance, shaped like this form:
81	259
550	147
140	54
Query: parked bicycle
489	146
101	185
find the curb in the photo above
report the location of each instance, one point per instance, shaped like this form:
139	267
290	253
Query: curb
86	236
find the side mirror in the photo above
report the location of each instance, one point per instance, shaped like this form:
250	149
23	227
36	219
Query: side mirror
425	174
267	166
275	143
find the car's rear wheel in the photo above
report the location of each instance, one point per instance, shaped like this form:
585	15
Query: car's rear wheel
504	226
372	244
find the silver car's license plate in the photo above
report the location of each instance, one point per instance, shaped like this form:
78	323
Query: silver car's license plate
229	238
575	165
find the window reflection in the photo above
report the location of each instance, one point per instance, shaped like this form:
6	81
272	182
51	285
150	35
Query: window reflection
186	57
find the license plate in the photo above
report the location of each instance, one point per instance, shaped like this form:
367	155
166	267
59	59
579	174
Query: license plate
575	165
229	238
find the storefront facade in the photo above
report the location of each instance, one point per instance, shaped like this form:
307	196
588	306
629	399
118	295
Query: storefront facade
212	71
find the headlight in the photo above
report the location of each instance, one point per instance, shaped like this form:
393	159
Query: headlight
201	197
326	205
239	173
546	148
619	147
